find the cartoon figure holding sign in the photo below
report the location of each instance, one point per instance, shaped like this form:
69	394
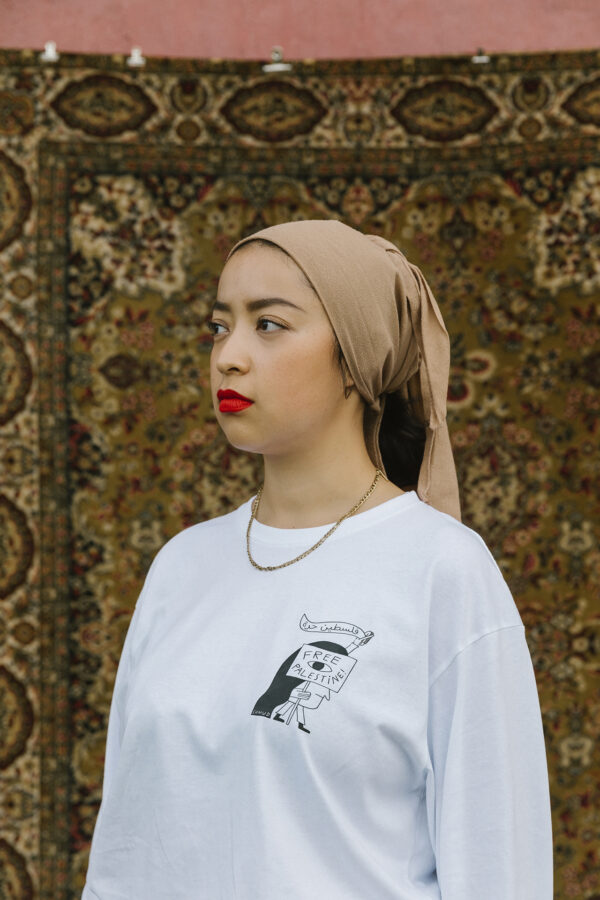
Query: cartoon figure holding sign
311	673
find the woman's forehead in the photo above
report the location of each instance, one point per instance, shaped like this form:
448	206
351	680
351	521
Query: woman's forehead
261	267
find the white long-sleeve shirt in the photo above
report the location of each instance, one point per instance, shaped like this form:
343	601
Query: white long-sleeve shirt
361	725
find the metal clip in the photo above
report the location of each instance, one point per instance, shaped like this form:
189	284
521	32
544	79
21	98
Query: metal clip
277	64
480	58
49	53
136	58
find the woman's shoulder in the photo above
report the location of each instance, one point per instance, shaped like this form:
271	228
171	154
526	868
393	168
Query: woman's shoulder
444	537
470	595
204	534
459	554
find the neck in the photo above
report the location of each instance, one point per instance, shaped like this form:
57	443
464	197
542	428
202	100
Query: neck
317	488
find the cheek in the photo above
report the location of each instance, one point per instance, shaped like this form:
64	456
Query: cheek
212	370
308	372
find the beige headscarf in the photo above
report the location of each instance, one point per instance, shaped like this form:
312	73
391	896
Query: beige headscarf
391	332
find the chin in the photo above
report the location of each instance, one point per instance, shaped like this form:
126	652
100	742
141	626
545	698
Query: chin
264	448
275	441
236	440
246	448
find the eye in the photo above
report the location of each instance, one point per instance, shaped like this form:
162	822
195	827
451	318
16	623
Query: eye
319	666
214	327
262	321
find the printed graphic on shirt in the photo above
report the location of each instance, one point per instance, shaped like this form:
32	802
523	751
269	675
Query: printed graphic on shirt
311	673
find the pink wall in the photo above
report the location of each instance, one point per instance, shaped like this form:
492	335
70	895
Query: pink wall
320	29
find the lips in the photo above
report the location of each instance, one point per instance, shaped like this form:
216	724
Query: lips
231	401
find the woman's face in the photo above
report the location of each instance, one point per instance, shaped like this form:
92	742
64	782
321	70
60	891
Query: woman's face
278	355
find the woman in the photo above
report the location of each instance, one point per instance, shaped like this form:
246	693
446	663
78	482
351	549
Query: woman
327	691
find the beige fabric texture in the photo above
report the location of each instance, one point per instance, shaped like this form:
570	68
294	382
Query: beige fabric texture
391	332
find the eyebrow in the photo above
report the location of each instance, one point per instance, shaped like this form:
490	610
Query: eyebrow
253	305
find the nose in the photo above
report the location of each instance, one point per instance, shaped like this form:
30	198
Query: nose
231	355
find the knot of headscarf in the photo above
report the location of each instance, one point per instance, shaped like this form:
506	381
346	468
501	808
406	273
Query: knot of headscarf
391	332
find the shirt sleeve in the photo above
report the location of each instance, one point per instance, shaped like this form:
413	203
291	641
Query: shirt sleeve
119	695
115	717
487	795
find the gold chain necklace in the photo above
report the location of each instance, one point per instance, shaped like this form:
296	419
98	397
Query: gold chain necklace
378	472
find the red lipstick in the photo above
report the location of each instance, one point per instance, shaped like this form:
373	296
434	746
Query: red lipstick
231	401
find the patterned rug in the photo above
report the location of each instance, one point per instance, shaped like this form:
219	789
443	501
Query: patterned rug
121	192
